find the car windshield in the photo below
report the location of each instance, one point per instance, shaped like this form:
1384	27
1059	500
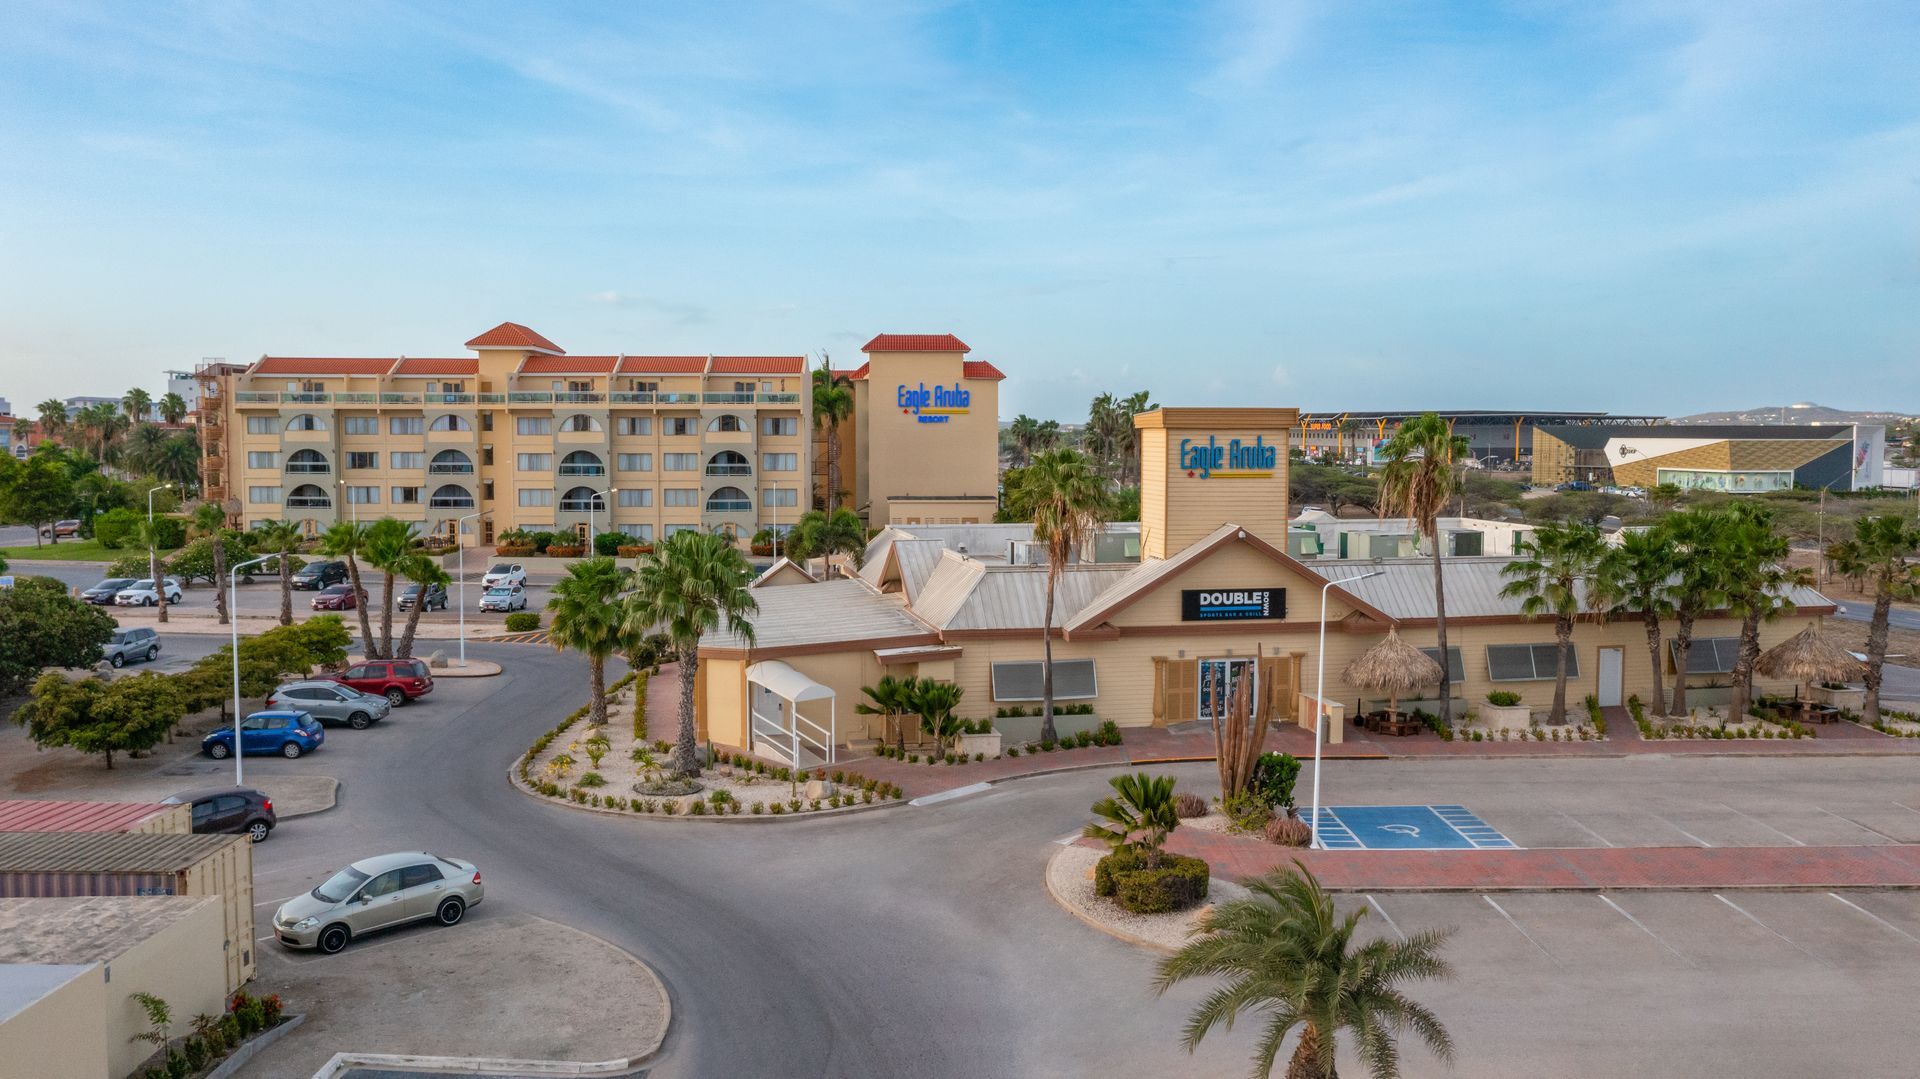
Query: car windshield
410	590
501	568
341	886
337	590
115	582
499	591
144	582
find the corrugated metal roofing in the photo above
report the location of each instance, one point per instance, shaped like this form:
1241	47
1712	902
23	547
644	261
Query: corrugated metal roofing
28	815
824	613
918	559
946	591
99	852
1015	597
1404	588
1596	438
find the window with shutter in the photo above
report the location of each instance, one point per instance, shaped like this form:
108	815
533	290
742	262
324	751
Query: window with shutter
1073	679
1528	662
1709	655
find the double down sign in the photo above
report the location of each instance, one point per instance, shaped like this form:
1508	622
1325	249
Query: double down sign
1232	604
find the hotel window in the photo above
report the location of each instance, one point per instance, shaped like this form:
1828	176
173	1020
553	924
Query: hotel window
775	497
580	423
261	425
633	425
680	425
451	423
579	387
1528	662
262	459
305	422
1456	667
1709	655
779	425
533	425
533	462
682	496
406	425
364	496
641	385
361	425
403	461
679	462
640	497
643	533
635	462
362	459
536	497
728	422
263	494
779	462
406	496
1073	679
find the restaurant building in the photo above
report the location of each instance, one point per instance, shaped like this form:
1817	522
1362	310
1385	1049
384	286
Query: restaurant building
1153	619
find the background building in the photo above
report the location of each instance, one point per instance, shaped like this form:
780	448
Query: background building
1714	457
1492	435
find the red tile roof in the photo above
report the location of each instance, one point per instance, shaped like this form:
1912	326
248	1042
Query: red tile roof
663	365
759	365
981	369
514	335
421	365
321	365
568	365
915	342
859	373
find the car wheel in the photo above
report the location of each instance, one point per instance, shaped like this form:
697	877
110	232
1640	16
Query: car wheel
333	938
291	751
450	912
258	831
153	653
117	660
149	602
396	696
359	721
218	751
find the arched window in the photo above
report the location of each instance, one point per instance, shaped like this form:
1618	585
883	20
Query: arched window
582	463
308	496
582	499
450	423
580	422
727	422
451	496
728	500
729	463
451	462
306	421
307	462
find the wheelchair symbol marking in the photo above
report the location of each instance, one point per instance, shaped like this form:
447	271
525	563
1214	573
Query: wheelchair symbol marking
1402	829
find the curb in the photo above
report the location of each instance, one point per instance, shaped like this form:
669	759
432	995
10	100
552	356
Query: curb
333	803
239	1057
513	779
1046	879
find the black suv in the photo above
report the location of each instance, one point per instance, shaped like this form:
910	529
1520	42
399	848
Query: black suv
101	595
317	575
229	811
436	597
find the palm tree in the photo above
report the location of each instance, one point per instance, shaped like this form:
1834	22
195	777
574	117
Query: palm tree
693	584
936	702
209	521
385	547
832	406
1129	442
1101	441
822	535
1025	432
1287	955
177	458
1632	580
173	408
891	697
1141	813
1756	588
136	403
423	570
1417	480
587	618
1548	577
53	417
348	540
1069	504
282	538
1879	550
150	538
1697	537
144	447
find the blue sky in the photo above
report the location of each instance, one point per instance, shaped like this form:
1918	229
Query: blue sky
1649	207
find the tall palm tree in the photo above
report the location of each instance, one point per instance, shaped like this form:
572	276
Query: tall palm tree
150	539
1025	432
1417	480
425	571
587	618
1549	577
1101	441
693	584
892	698
1631	581
1879	550
53	417
282	538
1069	505
1698	539
209	521
832	406
348	540
1756	587
823	535
177	459
135	403
173	408
144	447
1129	441
385	547
1287	956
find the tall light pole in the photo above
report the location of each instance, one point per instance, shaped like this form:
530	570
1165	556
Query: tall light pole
153	557
460	554
1320	696
346	496
604	498
233	588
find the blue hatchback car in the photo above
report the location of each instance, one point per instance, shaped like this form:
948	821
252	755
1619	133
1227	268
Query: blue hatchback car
287	733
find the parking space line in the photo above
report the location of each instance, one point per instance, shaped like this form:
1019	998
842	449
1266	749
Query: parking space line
1582	827
1784	939
1863	827
1907	807
1681	830
1519	930
1391	924
1638	924
1768	827
1875	917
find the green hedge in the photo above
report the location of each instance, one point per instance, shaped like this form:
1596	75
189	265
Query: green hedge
1177	883
522	621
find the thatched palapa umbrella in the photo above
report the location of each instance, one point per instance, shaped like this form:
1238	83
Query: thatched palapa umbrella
1392	666
1809	657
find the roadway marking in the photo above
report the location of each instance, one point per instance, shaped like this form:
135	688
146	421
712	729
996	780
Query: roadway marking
1582	827
1907	807
1067	840
1681	830
945	796
1857	824
1783	937
1519	930
1391	924
1767	826
1638	924
1875	917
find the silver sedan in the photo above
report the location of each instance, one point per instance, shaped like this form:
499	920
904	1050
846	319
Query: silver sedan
379	893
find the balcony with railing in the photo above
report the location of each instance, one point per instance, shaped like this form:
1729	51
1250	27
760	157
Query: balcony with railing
729	470
778	398
491	398
306	398
631	397
450	468
307	468
255	397
578	397
527	397
582	470
356	398
449	398
400	398
727	398
678	398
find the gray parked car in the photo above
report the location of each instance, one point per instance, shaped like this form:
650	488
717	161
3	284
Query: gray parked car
132	645
379	893
332	703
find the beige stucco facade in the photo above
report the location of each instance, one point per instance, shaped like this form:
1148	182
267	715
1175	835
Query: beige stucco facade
925	433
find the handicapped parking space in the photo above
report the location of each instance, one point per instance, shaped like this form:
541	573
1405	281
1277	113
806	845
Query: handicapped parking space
1407	827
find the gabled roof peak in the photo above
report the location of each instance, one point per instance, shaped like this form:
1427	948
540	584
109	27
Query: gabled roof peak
512	335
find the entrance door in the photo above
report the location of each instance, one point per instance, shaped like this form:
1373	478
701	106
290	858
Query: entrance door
1220	680
1613	663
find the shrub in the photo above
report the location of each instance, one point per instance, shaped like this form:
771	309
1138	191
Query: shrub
1288	832
1248	811
1046	746
1013	751
866	796
1187	806
1274	775
574	551
1503	698
814	805
759	808
670	807
979	756
523	621
1176	882
1082	739
608	544
591	779
697	809
1110	732
115	528
777	809
793	804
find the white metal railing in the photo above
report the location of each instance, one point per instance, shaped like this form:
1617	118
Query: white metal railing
784	741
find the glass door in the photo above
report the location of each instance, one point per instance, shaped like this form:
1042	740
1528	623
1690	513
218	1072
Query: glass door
1220	680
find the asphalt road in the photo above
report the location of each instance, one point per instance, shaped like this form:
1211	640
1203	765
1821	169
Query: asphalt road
920	941
1901	617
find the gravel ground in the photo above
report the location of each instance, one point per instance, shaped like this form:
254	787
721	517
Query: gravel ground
1070	880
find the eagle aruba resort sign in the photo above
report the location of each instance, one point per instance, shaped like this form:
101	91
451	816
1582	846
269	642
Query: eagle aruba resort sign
936	405
1236	460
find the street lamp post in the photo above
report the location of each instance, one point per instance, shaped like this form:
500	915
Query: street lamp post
604	498
1320	697
153	557
233	588
346	496
460	549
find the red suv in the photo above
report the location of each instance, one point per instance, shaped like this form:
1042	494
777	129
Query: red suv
398	680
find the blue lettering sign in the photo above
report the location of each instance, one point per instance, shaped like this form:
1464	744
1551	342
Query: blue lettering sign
1235	460
936	405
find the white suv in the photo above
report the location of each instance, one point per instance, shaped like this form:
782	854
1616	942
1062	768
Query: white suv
141	593
512	575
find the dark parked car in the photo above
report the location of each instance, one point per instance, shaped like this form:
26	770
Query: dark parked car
318	575
398	680
101	595
336	597
230	811
131	645
286	732
436	597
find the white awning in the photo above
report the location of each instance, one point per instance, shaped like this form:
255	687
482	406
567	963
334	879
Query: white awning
787	682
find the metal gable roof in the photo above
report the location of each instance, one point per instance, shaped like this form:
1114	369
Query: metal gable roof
827	613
